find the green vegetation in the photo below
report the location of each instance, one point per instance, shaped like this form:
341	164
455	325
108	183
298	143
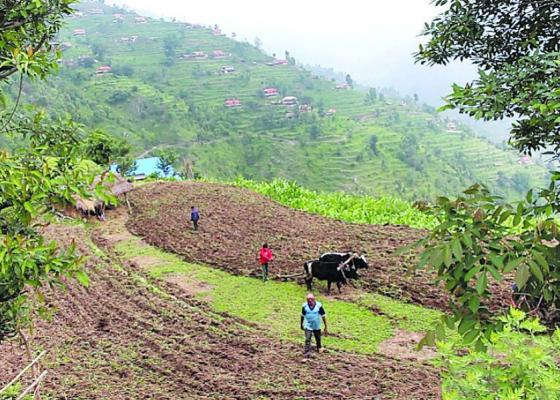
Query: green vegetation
45	168
160	94
341	206
277	306
517	365
480	237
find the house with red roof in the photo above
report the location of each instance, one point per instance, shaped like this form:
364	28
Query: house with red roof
219	54
104	69
232	103
79	32
270	92
140	20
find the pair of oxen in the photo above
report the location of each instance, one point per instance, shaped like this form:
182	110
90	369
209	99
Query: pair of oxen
334	267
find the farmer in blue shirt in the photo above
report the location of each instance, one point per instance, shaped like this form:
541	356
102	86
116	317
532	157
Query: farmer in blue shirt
311	314
195	216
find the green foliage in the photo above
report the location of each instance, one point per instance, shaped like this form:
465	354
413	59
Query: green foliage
48	170
356	209
167	158
127	165
515	47
13	393
479	239
25	32
104	149
45	168
517	365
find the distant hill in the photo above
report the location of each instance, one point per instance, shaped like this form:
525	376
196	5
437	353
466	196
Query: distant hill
169	84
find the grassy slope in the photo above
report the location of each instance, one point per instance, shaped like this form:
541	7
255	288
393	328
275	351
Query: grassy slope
276	306
181	105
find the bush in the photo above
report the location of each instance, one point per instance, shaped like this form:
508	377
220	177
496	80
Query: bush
518	364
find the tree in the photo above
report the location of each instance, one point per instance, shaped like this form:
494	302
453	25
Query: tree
349	80
170	44
516	47
48	169
373	144
104	149
167	157
480	237
258	43
127	166
26	28
371	96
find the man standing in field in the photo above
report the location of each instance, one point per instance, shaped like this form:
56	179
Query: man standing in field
311	314
265	256
195	216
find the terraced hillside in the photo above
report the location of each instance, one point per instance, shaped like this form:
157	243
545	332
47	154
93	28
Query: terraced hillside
168	83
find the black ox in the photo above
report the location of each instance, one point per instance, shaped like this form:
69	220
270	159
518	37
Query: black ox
334	267
357	261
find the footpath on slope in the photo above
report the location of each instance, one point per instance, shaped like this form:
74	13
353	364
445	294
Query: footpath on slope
129	336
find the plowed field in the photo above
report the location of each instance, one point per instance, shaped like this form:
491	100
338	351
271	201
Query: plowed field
120	339
235	222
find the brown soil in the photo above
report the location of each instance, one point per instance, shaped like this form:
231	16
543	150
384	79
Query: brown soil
235	222
403	346
119	339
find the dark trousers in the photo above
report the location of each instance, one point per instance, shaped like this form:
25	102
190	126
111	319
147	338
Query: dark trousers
308	333
265	272
195	224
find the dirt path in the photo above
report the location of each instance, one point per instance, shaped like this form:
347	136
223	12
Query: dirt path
129	337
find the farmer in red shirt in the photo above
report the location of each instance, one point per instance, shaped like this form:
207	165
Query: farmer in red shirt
265	256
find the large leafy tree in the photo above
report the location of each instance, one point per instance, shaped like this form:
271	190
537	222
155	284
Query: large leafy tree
47	170
481	239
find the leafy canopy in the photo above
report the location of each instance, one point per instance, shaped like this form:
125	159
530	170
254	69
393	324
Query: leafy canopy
516	47
47	169
481	241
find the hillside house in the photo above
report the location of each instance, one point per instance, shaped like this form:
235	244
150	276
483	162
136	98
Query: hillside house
79	32
96	11
65	46
276	62
77	14
232	103
217	32
270	92
140	20
330	112
124	39
305	108
525	160
452	127
342	86
290	115
289	101
228	69
104	69
219	54
198	55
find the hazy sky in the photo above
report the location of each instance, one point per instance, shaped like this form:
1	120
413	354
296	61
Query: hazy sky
372	40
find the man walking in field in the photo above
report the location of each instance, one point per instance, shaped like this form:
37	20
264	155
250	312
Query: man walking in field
265	256
311	314
195	216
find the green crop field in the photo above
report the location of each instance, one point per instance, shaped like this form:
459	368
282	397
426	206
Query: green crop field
156	97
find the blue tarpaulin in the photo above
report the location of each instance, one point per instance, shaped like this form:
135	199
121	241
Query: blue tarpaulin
147	166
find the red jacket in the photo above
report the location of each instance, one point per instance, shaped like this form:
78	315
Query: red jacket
265	255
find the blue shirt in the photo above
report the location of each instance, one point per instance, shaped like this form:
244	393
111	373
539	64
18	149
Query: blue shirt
312	316
194	215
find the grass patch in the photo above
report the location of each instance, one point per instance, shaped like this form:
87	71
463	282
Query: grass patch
276	306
